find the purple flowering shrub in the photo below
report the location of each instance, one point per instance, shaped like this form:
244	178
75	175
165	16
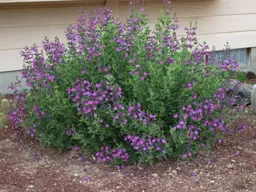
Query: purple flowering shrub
123	91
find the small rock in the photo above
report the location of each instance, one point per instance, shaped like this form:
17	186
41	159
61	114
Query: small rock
30	186
178	168
233	161
174	172
155	175
243	89
230	166
211	181
76	175
74	155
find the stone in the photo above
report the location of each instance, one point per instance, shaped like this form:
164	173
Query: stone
233	161
154	175
230	166
76	175
242	89
174	173
245	90
178	168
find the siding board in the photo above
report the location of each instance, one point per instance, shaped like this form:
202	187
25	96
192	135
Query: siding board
218	21
10	60
34	17
24	27
217	24
26	36
202	8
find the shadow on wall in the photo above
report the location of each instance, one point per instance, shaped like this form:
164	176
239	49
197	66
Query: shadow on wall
6	78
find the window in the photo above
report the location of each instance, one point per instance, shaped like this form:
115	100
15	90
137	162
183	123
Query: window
240	55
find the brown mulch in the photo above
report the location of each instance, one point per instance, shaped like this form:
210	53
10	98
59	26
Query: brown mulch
250	75
251	81
26	166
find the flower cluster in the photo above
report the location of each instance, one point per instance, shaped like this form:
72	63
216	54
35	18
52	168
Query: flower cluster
38	112
124	115
37	71
146	144
199	116
136	113
107	155
83	38
71	132
88	96
16	116
105	70
228	64
242	128
54	50
126	33
196	112
31	131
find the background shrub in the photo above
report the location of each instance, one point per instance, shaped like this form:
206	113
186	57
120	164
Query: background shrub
241	76
123	90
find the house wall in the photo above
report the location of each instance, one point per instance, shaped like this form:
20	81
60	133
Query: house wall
24	24
218	21
29	21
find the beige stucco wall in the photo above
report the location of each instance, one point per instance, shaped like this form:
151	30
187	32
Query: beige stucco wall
24	25
219	21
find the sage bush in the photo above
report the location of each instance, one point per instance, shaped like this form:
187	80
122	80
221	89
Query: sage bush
123	91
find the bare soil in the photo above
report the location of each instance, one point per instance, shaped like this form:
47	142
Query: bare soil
251	81
27	166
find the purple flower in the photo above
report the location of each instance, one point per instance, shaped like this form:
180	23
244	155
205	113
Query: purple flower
76	148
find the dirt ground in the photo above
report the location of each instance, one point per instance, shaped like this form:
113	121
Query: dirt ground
26	166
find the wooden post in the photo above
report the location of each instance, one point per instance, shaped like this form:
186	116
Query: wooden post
253	100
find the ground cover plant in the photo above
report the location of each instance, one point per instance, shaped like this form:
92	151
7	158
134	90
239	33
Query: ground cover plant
4	108
125	92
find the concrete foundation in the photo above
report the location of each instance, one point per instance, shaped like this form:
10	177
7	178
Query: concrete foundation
6	78
253	59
